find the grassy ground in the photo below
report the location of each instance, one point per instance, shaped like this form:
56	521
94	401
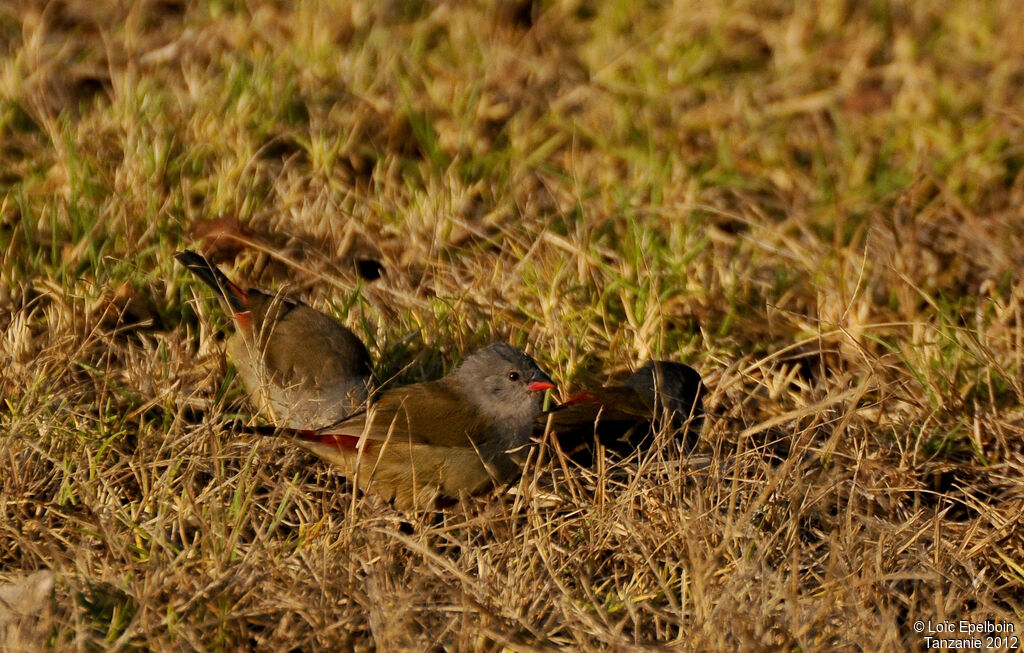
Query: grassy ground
815	204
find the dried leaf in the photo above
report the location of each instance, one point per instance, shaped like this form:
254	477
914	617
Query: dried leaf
220	239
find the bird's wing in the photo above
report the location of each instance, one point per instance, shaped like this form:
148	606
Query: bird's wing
609	403
306	347
423	413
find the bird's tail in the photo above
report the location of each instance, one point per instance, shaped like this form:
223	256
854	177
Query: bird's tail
234	296
335	440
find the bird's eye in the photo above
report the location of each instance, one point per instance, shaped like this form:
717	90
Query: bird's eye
513	376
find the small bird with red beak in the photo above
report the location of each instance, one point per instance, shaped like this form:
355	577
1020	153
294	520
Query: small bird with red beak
623	418
457	435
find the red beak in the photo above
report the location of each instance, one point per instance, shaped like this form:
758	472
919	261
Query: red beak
537	386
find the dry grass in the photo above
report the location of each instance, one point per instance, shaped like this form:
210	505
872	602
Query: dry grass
815	204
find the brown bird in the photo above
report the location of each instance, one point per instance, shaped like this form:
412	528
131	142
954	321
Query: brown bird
622	417
458	435
299	366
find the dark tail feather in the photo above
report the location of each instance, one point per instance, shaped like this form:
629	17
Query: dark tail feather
214	278
338	440
240	427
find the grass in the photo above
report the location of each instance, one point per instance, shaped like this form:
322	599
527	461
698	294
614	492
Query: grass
817	205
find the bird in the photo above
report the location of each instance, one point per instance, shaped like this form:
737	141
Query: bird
459	435
673	387
302	368
622	417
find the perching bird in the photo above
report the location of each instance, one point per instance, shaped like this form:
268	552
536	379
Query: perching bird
302	368
458	435
622	417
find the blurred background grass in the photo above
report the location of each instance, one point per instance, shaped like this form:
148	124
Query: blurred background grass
815	204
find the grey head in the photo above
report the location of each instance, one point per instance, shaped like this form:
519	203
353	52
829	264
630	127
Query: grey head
506	385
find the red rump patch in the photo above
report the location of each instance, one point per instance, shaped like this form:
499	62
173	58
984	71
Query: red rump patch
243	320
336	440
239	300
582	398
